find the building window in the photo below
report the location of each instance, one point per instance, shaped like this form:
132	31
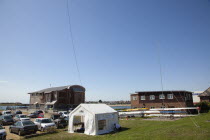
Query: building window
170	96
162	107
152	107
143	97
152	97
161	96
101	124
134	98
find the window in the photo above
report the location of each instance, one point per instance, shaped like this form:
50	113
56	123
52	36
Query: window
161	96
134	98
143	97
152	107
170	96
152	97
162	107
101	124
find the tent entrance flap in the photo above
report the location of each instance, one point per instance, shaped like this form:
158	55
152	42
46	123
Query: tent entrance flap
78	124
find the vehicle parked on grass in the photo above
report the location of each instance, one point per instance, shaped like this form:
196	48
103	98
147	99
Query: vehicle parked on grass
33	115
63	113
3	133
17	112
39	111
44	123
21	117
6	119
59	121
23	127
7	112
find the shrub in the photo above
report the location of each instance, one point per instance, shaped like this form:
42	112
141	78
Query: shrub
204	107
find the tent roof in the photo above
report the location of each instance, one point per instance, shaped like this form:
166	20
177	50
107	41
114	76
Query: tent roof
98	108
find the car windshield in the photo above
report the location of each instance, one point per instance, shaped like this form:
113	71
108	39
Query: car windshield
7	117
23	116
1	127
7	112
46	121
27	123
64	112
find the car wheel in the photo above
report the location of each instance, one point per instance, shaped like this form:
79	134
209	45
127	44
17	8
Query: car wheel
10	130
19	133
57	126
42	129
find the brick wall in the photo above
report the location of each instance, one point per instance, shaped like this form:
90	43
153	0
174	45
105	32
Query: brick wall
205	98
180	99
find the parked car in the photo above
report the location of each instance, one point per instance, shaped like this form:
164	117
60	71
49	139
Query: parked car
39	111
20	117
33	115
7	112
59	121
63	113
3	133
17	112
6	119
44	123
23	127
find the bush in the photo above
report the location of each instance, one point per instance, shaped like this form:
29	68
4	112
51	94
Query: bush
204	107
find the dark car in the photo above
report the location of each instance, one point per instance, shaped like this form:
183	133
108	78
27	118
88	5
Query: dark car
17	112
6	119
33	115
39	112
23	127
59	121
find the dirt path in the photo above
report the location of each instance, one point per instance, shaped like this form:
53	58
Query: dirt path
11	135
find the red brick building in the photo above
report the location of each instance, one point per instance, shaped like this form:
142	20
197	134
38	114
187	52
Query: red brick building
56	98
205	96
161	99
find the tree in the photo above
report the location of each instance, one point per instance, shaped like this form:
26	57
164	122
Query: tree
100	101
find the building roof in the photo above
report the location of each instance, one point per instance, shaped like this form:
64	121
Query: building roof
48	90
205	93
98	108
166	91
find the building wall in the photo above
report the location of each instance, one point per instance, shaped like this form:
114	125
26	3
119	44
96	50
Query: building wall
205	98
135	103
65	98
36	97
179	100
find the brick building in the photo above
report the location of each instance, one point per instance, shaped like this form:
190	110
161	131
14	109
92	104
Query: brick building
57	98
161	99
205	96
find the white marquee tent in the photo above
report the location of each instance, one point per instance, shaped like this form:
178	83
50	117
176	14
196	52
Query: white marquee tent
97	119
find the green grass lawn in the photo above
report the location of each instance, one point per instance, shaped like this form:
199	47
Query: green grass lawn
139	129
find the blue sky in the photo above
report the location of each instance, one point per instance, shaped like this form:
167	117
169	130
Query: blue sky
117	45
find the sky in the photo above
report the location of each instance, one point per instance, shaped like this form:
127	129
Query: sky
118	44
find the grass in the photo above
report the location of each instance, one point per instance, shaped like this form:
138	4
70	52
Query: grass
145	130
